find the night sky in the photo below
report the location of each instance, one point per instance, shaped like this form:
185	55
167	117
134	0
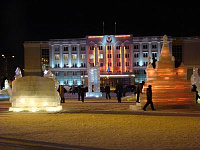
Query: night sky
36	20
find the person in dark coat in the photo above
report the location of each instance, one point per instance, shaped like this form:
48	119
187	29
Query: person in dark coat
82	93
149	99
194	89
79	93
118	91
138	94
107	89
62	94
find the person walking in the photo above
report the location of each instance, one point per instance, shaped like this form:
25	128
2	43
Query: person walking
82	93
149	99
138	94
194	89
118	91
107	89
79	93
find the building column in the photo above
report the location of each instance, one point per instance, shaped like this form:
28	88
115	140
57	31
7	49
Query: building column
104	58
70	56
52	56
78	55
61	56
159	50
149	47
141	55
96	54
122	45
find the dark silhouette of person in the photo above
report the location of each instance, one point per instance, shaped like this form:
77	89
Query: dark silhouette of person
118	91
62	94
79	93
82	93
149	99
107	89
194	89
154	62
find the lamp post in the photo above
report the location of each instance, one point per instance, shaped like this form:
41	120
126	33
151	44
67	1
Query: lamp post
6	63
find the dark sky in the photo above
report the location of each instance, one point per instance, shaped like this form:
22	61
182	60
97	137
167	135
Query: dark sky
25	20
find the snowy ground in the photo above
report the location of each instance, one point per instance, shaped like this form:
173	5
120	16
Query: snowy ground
100	124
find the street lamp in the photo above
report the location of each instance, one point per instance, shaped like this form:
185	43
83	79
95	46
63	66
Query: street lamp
6	62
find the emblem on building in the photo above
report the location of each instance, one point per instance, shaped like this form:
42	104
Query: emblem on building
109	39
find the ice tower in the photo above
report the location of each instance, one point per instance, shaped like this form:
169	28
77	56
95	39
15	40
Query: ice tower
93	81
169	84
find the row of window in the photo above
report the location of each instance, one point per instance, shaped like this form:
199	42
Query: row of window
145	54
74	73
145	46
109	47
74	65
66	56
66	48
136	64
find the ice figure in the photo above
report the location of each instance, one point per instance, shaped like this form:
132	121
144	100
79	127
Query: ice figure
34	93
18	73
7	88
169	84
93	81
195	79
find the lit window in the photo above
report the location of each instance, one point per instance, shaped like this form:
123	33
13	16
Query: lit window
100	56
74	56
65	56
83	56
91	56
57	57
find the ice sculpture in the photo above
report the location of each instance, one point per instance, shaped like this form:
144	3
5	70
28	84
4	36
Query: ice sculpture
18	73
34	93
195	79
169	84
93	81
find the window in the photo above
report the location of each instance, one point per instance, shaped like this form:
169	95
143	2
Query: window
82	48
57	73
109	64
74	56
91	56
126	46
127	55
177	53
74	48
145	46
74	81
100	47
136	54
154	54
154	46
101	64
74	65
136	63
118	64
57	49
136	46
65	73
65	49
91	47
65	56
118	47
66	66
57	57
82	56
66	82
100	56
118	55
109	56
45	56
145	54
82	64
145	63
74	73
109	47
127	63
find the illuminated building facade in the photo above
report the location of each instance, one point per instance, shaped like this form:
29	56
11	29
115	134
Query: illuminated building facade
120	57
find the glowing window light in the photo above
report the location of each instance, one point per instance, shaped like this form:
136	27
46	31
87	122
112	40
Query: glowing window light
45	104
93	37
22	100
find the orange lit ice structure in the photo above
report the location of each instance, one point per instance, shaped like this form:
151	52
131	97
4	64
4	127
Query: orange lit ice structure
169	84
